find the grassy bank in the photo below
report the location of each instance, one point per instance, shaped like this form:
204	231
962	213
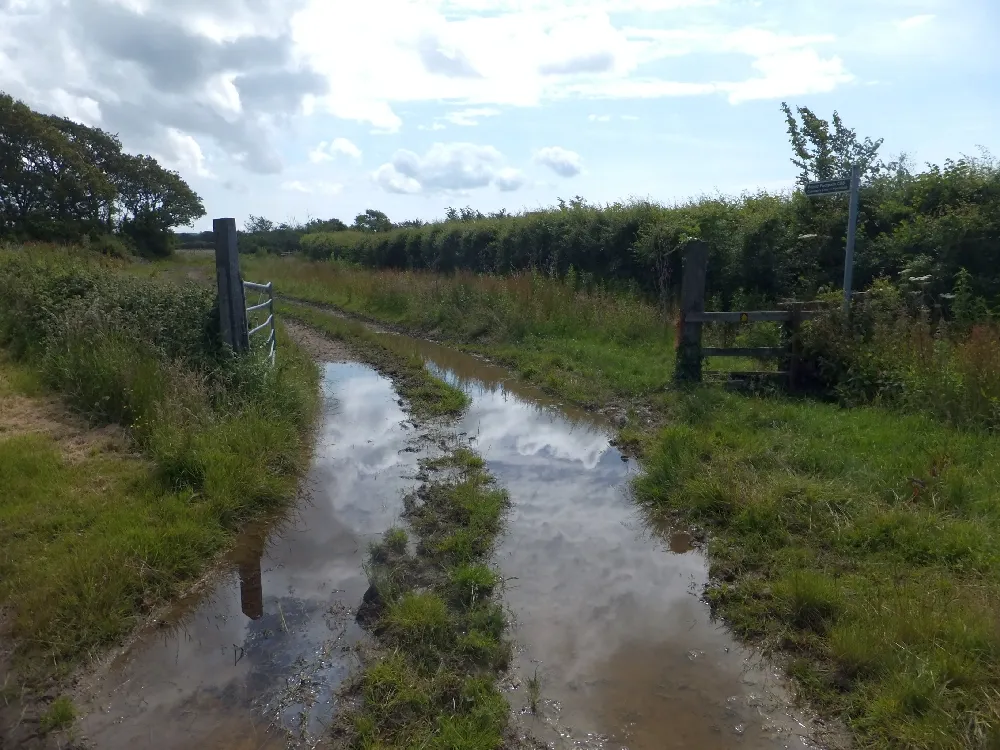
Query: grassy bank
94	541
437	618
864	544
427	395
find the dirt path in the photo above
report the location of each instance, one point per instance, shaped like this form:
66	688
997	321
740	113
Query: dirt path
321	348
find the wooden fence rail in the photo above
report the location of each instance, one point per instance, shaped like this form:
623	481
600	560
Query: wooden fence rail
691	353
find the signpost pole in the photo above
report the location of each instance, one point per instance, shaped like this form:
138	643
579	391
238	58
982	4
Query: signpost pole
852	226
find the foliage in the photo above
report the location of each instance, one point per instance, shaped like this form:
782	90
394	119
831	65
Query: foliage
823	154
893	352
64	181
372	221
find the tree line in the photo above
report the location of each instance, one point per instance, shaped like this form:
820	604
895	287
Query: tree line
920	229
62	181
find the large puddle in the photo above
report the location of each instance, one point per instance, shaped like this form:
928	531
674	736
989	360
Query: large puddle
272	640
607	612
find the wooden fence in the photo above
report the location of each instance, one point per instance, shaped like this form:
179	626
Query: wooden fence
693	316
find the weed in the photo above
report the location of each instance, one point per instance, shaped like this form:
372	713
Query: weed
534	684
472	582
60	715
395	540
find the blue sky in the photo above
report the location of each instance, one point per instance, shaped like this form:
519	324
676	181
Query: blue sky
320	109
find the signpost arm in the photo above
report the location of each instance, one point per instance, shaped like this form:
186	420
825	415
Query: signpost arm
852	226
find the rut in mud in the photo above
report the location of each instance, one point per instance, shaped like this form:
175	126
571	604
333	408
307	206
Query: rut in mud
606	610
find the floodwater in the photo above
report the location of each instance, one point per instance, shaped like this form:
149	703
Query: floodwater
271	641
607	613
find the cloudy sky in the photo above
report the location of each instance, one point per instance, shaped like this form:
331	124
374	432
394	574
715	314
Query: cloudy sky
316	108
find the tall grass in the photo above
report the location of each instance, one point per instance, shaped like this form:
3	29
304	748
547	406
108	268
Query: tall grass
472	306
225	438
897	355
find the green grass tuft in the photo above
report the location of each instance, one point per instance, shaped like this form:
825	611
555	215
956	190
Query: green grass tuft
60	715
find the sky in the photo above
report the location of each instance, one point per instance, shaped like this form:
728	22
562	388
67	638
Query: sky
301	109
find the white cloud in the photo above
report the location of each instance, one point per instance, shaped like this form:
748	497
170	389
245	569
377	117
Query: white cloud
791	73
310	188
563	162
915	22
599	118
509	179
329	151
182	153
80	108
392	180
471	116
482	54
447	167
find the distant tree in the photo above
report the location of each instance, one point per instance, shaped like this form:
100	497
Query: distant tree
153	201
410	224
463	214
325	225
257	224
825	153
372	221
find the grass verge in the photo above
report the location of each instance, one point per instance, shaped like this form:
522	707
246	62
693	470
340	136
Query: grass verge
863	544
92	543
437	618
428	396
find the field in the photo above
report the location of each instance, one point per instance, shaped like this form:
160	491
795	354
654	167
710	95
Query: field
857	535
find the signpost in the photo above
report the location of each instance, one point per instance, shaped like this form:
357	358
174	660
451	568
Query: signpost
850	185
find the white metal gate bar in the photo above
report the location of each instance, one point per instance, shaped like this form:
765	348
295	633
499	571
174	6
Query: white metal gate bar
268	288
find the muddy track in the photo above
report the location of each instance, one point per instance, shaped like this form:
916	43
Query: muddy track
613	412
610	630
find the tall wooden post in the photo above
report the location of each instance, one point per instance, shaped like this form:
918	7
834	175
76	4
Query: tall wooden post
232	301
688	366
794	344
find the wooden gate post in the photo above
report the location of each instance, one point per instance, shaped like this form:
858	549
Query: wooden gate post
794	344
688	365
232	300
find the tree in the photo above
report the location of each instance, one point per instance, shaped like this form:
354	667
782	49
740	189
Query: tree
102	150
258	224
153	201
328	225
825	154
372	221
48	188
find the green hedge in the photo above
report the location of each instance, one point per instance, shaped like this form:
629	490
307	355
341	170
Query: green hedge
763	246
